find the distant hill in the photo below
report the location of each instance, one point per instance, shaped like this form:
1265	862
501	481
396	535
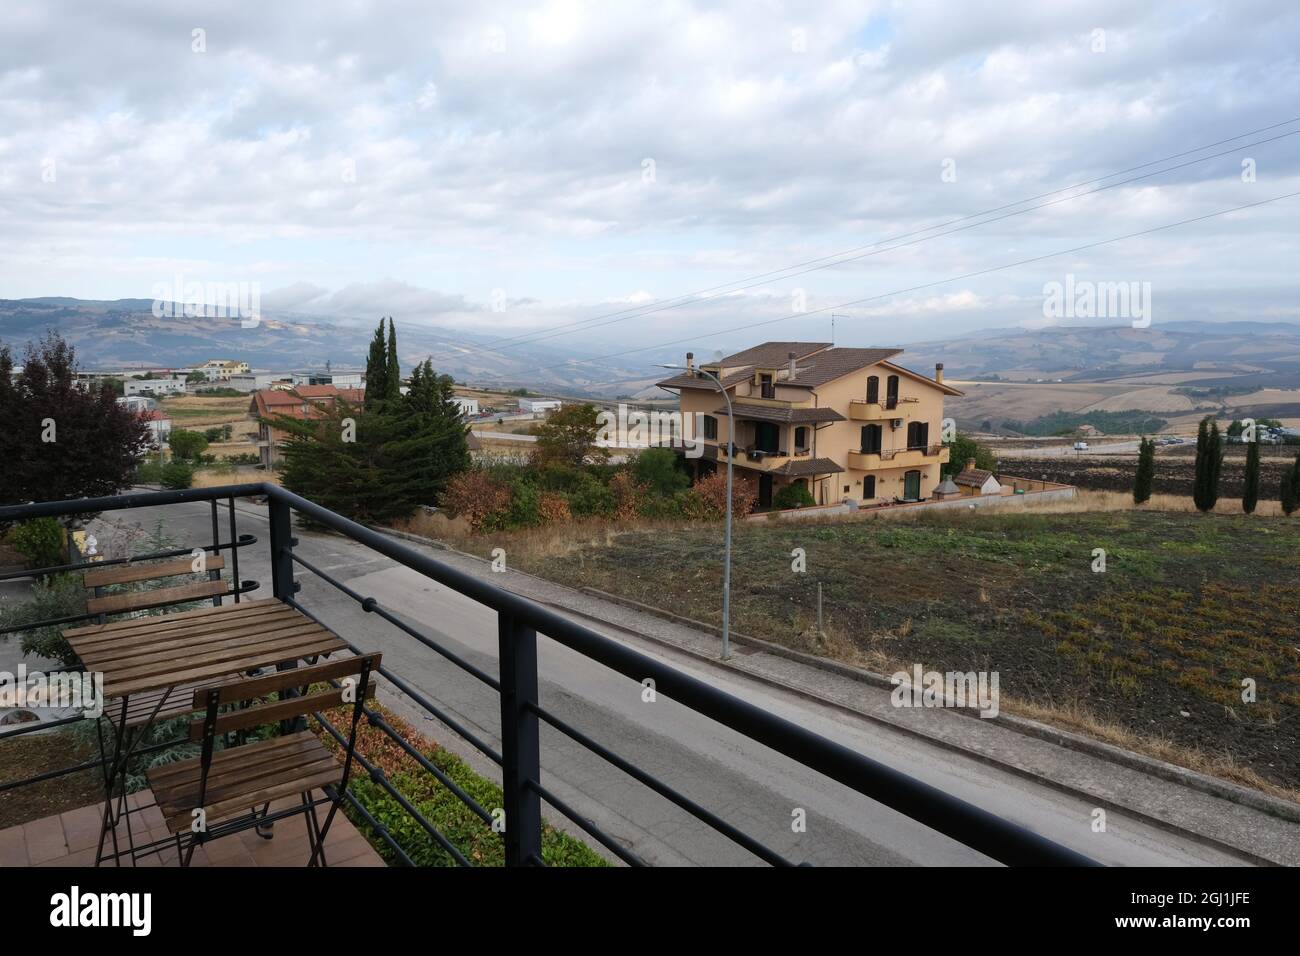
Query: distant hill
1255	354
125	332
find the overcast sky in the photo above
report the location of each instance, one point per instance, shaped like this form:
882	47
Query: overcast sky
508	168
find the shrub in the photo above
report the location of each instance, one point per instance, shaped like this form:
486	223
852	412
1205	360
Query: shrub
480	498
793	495
553	507
41	542
559	476
711	495
525	506
629	495
591	499
57	596
177	474
186	444
660	470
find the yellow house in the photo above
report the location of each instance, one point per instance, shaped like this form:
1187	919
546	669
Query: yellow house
850	424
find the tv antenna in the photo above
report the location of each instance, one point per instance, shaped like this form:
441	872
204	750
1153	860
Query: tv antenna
834	316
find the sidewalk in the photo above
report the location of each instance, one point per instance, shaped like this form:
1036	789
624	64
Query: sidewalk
1260	828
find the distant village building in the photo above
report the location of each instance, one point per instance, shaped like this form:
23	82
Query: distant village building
468	406
539	406
154	386
1088	431
160	426
249	382
220	370
304	403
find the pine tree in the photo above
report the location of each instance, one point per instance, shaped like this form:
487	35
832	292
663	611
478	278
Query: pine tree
1250	494
1209	464
1146	471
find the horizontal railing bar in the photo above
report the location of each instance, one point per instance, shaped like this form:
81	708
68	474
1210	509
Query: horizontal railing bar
371	606
764	853
627	856
88	765
378	776
244	587
410	691
133	499
244	541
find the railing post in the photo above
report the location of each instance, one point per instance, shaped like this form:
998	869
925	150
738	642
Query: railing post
282	542
520	748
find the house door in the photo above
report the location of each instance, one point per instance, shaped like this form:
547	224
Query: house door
765	491
767	437
912	485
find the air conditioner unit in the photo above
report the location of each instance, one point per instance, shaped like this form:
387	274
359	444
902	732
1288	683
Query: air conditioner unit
896	423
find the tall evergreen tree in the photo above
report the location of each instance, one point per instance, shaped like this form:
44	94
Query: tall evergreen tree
1209	464
1250	494
1290	490
376	370
1146	471
393	382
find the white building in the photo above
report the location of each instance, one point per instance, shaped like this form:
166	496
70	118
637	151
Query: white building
160	426
158	386
253	381
339	378
539	406
468	406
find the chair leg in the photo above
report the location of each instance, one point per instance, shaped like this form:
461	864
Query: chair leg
325	828
314	837
264	830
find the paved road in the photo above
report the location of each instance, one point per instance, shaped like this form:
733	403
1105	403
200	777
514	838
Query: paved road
1067	451
743	782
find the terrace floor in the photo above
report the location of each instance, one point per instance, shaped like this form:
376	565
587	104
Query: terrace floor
70	839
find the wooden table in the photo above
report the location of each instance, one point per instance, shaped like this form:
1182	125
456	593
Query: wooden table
152	665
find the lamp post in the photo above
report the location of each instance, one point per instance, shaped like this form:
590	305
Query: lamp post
726	566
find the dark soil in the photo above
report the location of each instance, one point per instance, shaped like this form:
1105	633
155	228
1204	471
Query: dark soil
31	754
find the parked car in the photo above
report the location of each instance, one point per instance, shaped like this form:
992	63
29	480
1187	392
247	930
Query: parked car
1081	446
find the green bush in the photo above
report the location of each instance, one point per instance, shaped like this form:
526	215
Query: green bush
177	474
58	596
41	541
525	501
661	470
793	495
591	499
452	818
558	476
187	444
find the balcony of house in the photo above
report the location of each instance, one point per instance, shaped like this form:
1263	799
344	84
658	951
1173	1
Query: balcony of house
270	685
865	460
761	460
861	410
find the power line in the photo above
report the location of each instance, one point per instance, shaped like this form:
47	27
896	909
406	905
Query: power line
833	259
929	285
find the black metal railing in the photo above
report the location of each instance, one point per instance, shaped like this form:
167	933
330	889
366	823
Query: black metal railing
520	622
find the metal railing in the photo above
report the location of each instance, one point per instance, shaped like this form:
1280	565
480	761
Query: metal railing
520	622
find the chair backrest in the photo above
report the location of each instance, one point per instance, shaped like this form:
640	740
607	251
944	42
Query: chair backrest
211	699
96	579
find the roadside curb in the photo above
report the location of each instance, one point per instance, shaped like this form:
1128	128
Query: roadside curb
1066	739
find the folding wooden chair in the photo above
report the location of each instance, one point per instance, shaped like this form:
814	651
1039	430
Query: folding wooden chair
223	792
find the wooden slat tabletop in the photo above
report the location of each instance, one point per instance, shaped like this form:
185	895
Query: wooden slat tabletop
153	653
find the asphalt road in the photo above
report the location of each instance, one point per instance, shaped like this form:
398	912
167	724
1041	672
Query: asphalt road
745	783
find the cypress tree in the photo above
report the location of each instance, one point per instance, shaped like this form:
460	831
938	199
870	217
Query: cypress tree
1146	471
1209	464
376	370
393	381
1250	495
1290	491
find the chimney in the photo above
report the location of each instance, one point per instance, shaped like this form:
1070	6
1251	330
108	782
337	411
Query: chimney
690	363
970	464
938	372
790	355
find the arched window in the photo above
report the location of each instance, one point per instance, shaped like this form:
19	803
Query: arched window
873	389
891	392
871	439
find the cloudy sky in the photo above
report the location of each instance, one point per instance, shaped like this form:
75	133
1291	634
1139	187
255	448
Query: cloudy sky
529	169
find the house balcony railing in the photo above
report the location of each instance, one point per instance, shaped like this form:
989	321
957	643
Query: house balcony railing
899	457
759	460
522	626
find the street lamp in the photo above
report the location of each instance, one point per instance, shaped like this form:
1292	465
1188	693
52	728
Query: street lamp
726	566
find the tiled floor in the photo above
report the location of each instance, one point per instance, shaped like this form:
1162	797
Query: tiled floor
70	839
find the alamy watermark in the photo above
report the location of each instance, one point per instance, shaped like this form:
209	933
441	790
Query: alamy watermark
922	688
242	300
636	428
1084	299
36	690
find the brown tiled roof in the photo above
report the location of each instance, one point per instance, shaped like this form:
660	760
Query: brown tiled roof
267	401
782	416
808	466
834	363
686	380
972	477
771	354
472	442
